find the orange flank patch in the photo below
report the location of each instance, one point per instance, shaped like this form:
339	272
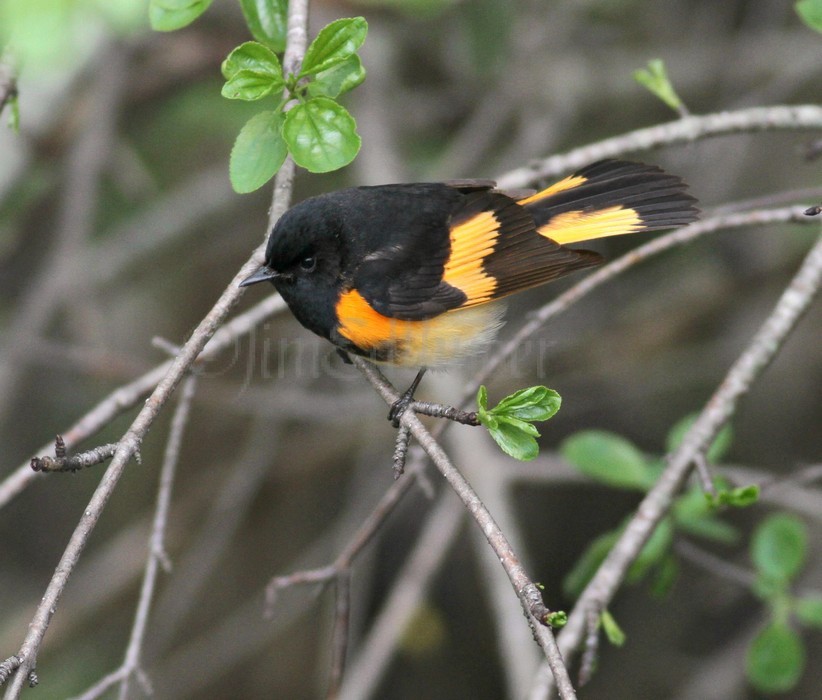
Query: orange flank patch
362	325
471	242
429	343
576	226
567	183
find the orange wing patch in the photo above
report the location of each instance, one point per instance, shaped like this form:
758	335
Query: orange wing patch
576	226
567	183
471	242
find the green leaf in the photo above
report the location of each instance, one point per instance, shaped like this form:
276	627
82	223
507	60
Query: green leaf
585	567
808	610
769	589
719	447
258	152
776	659
557	619
612	630
338	79
252	56
250	85
810	11
267	20
608	458
531	404
694	515
778	546
334	44
514	441
655	78
482	398
740	497
321	135
168	15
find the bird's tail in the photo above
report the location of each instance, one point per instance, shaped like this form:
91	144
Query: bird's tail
611	198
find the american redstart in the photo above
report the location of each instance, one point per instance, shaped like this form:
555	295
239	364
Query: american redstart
405	274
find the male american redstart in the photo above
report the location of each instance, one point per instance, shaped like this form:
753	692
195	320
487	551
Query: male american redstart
405	274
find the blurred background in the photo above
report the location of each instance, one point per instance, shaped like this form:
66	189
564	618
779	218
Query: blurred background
118	224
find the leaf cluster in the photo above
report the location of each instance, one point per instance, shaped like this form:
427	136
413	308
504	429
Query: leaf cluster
306	121
511	421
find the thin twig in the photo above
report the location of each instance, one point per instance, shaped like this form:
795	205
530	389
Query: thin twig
436	410
684	130
61	462
401	450
228	509
703	473
751	363
157	553
342	619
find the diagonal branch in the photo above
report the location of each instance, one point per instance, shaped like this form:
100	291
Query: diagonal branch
129	444
748	367
528	593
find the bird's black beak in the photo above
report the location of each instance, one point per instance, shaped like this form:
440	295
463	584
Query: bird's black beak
264	274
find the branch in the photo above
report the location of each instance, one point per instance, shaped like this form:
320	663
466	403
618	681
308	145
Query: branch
684	130
528	593
654	507
130	442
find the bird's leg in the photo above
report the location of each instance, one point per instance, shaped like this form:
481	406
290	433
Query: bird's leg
401	405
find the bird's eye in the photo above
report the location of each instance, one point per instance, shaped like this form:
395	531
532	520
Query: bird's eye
308	263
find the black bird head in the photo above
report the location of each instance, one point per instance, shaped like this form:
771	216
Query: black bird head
304	260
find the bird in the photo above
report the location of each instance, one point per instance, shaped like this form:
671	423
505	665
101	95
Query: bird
412	274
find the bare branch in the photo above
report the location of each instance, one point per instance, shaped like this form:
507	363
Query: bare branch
528	593
685	130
